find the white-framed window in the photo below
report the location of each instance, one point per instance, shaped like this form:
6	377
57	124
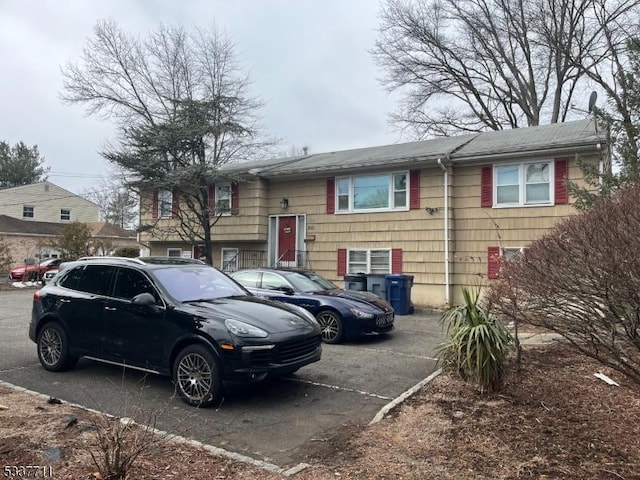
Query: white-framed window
229	260
223	199
365	193
65	214
28	211
174	252
165	203
511	252
369	261
521	184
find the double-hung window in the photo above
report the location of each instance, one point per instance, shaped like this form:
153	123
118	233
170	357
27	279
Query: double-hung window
372	192
223	198
28	211
165	203
369	261
524	184
65	214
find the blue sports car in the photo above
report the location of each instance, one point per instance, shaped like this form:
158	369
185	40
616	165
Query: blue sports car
341	313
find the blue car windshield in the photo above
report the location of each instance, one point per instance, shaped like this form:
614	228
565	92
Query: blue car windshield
309	282
189	283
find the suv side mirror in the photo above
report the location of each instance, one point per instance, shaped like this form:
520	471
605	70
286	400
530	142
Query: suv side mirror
146	300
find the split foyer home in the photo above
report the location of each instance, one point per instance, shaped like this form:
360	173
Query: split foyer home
441	210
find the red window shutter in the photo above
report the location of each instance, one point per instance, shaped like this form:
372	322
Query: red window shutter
154	205
331	195
561	193
396	260
493	262
235	195
174	203
486	187
342	262
211	199
414	189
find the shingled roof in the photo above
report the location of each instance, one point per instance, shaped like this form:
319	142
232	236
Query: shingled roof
27	227
556	137
17	226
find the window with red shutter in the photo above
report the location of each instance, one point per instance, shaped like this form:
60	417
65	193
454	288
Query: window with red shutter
414	189
342	262
561	173
486	187
331	195
174	203
235	196
154	205
211	199
396	260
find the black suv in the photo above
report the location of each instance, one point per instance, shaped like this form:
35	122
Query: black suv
174	317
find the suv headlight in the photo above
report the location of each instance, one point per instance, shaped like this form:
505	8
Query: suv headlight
360	314
242	329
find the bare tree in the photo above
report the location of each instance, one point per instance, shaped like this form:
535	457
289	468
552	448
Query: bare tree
118	204
582	281
472	65
183	108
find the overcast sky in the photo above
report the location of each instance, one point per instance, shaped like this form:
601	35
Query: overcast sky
309	60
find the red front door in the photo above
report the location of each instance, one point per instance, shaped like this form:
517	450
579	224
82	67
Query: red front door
287	241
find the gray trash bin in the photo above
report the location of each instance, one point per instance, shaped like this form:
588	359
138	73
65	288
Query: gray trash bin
376	285
355	282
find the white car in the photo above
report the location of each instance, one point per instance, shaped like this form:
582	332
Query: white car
48	275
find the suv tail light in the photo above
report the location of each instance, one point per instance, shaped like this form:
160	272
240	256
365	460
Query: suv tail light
37	296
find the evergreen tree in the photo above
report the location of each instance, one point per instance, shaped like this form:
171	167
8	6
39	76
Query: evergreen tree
21	165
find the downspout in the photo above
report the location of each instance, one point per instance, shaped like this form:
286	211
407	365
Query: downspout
447	279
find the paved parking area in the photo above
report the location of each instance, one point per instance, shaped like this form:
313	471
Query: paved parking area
274	421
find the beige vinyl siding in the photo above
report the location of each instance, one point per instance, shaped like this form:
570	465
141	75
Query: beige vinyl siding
474	228
47	201
249	224
418	234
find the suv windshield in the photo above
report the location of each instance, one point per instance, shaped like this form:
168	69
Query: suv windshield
189	283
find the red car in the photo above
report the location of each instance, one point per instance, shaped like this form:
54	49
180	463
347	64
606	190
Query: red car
35	271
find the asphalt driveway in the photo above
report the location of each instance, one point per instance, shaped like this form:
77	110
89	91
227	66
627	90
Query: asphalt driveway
274	421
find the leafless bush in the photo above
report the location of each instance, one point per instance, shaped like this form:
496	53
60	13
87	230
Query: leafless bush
582	281
118	441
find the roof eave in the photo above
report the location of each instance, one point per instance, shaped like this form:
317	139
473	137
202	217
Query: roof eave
592	146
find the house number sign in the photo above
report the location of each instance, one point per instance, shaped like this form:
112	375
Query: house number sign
286	229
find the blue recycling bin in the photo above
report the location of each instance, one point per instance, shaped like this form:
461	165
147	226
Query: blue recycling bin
398	289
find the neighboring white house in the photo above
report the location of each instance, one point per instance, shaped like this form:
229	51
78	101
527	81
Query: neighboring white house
46	202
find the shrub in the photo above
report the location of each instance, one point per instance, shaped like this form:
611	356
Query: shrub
5	256
130	252
582	281
478	342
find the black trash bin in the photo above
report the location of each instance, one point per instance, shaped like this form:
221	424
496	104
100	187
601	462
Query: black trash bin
399	293
355	282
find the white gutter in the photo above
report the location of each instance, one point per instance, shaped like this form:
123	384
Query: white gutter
447	279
